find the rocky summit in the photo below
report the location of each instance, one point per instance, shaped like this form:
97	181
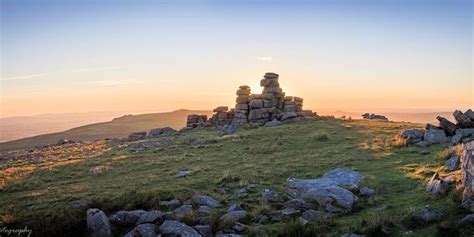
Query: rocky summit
269	108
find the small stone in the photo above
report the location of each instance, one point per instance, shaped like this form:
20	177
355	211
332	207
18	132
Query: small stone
366	191
468	220
98	224
183	173
428	215
206	201
452	163
233	216
234	207
178	228
204	230
271	197
313	215
170	203
183	211
204	210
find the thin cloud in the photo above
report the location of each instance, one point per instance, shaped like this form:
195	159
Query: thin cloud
265	59
112	82
23	77
38	75
95	69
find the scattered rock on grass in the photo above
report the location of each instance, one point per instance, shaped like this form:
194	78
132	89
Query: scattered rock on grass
177	228
98	224
428	215
366	191
206	201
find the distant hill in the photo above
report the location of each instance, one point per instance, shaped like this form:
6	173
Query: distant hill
12	128
117	128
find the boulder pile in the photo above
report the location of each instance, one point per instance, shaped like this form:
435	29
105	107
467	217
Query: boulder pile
369	116
305	200
446	131
271	106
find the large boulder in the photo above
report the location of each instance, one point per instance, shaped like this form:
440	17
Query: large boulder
206	201
436	185
98	224
176	228
136	136
413	135
329	192
161	132
447	125
467	178
462	120
435	136
126	218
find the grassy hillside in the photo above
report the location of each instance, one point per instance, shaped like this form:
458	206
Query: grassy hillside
12	128
266	157
117	128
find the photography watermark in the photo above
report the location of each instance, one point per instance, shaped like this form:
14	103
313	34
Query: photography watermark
4	232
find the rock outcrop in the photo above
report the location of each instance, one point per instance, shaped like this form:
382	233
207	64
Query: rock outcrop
467	177
445	132
331	193
269	108
369	116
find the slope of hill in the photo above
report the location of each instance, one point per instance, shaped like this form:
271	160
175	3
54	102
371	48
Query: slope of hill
57	192
117	128
18	127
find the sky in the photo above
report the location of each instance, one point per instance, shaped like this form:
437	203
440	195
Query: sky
155	56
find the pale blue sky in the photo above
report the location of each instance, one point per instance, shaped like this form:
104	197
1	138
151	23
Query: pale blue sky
86	55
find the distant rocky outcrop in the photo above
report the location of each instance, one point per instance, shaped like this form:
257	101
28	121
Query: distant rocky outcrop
445	132
369	116
270	107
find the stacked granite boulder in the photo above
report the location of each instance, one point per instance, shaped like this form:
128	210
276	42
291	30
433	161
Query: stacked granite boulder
271	106
446	131
222	116
196	120
242	106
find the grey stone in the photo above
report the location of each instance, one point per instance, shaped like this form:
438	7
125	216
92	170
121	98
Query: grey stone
161	132
456	139
137	136
126	218
271	197
435	136
150	217
313	215
366	191
206	201
178	228
467	178
428	215
204	230
413	135
272	123
204	210
437	185
183	211
146	230
183	173
98	224
234	207
328	191
468	220
344	177
170	203
289	212
295	203
288	115
452	163
465	132
233	216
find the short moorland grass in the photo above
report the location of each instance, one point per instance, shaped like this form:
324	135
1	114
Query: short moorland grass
267	157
